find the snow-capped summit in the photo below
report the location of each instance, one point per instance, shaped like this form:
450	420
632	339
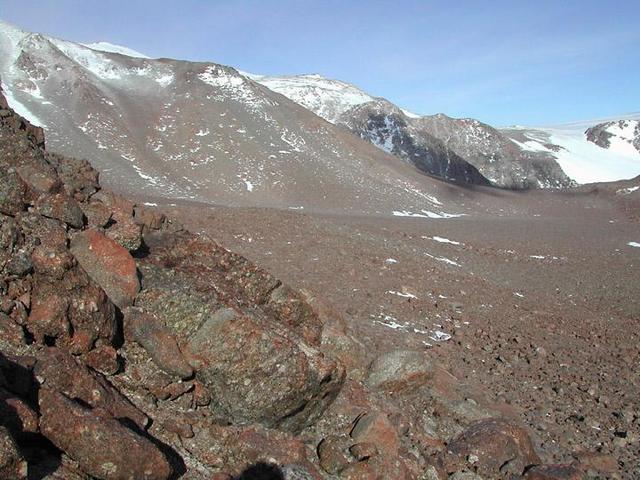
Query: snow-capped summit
592	151
325	97
111	48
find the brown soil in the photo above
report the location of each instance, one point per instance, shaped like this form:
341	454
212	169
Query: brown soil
555	336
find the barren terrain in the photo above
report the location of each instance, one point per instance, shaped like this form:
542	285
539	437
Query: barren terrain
541	301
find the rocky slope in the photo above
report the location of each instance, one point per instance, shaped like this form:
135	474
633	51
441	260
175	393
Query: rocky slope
461	150
199	131
131	348
456	149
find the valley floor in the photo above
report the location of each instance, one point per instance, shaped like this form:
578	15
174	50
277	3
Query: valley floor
539	303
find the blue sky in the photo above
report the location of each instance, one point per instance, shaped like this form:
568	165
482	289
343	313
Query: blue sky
503	62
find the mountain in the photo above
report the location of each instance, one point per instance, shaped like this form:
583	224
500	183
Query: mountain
462	150
440	145
591	151
206	132
199	131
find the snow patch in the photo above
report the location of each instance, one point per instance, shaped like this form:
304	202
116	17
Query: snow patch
426	214
443	240
111	48
400	294
627	191
20	108
634	244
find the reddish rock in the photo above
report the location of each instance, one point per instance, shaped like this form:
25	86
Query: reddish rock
150	333
375	428
124	230
148	218
497	446
600	462
104	359
39	178
74	313
100	444
13	192
48	317
553	472
51	261
363	451
12	465
98	214
294	312
333	453
79	177
59	370
16	414
11	331
61	207
234	448
109	264
258	372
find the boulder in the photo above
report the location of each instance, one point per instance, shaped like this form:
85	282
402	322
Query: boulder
102	446
494	446
56	369
74	313
398	370
256	372
61	207
109	264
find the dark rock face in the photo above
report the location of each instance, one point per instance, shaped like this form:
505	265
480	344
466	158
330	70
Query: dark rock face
388	128
460	150
500	160
602	133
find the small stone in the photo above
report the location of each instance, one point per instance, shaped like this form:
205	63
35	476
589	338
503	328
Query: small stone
363	451
332	452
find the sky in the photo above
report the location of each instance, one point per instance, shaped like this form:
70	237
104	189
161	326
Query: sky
503	62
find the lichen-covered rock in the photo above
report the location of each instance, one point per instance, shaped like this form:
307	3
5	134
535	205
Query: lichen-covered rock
399	369
149	331
61	207
257	373
109	264
102	446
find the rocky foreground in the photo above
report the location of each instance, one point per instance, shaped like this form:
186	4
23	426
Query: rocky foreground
132	349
